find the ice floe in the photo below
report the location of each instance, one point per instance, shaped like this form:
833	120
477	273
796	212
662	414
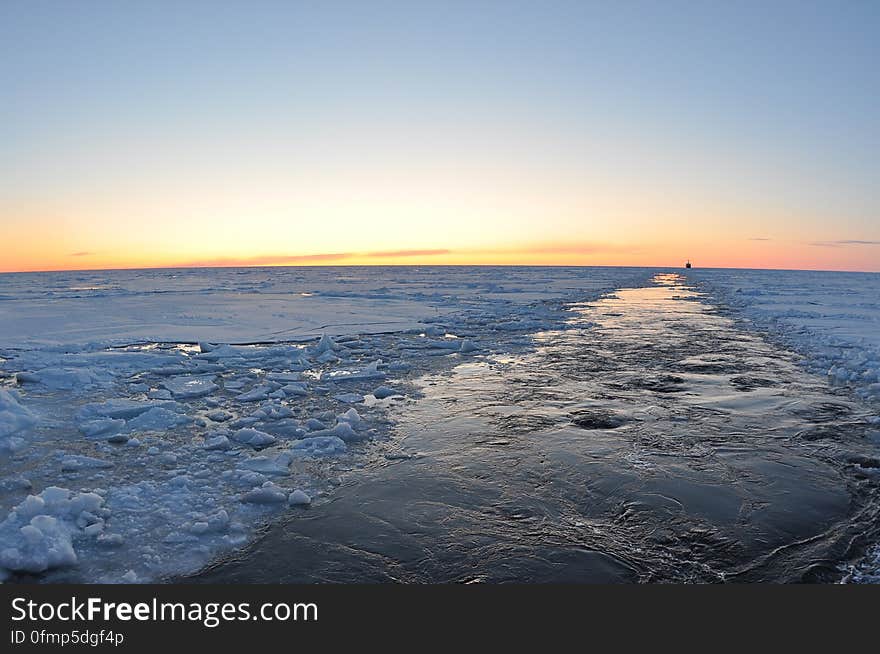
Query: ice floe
186	386
320	446
253	437
299	498
268	493
79	462
382	392
65	378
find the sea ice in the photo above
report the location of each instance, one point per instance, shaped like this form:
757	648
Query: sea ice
101	426
156	419
164	494
74	462
313	424
349	398
273	411
220	415
833	318
14	418
382	392
467	346
341	430
256	394
64	378
284	377
285	428
268	465
352	417
327	357
253	437
188	387
219	442
369	372
295	389
325	344
38	533
124	408
299	498
268	493
319	446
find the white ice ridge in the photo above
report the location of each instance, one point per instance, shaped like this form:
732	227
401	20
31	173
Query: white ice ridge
14	419
182	439
832	318
38	533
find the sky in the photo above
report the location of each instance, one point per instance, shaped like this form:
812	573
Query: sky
145	134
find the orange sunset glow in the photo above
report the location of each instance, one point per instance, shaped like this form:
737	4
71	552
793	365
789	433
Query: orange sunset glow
344	146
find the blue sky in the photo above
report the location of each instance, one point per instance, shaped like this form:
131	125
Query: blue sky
290	128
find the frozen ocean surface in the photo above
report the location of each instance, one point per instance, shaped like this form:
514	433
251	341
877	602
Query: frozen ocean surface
249	305
152	421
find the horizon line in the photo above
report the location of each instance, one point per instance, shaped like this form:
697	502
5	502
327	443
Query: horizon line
416	265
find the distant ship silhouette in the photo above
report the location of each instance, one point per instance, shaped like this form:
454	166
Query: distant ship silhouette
687	264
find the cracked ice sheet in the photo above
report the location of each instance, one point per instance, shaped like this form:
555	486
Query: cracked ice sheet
190	448
263	304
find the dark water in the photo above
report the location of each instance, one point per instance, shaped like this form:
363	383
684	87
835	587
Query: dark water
653	441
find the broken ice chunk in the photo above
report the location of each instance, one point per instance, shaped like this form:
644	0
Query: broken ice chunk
219	442
253	437
286	428
65	378
102	426
349	398
342	430
269	465
74	462
157	419
13	416
325	344
37	534
313	424
319	446
268	493
123	408
371	371
384	391
327	357
352	417
219	415
299	498
183	387
284	377
256	394
295	388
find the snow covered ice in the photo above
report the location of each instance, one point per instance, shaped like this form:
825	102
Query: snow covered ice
37	534
832	318
145	443
184	387
14	418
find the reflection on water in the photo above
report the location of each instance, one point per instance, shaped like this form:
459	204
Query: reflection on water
650	440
